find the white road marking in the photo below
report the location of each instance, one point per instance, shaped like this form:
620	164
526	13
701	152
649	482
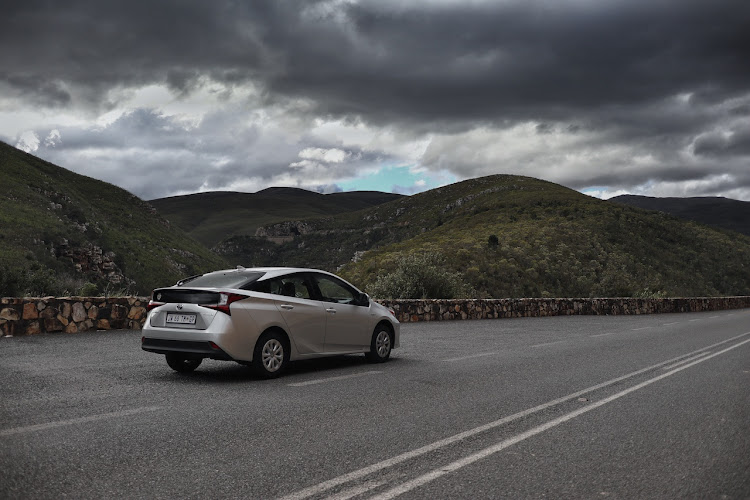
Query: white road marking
332	379
548	343
319	488
74	421
446	469
450	360
698	319
688	360
668	324
602	334
642	328
357	490
712	317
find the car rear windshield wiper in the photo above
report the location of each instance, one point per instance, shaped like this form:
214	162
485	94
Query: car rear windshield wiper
185	280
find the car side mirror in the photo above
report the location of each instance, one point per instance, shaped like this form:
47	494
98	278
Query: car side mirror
363	299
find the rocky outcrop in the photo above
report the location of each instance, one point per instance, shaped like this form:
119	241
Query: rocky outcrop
92	261
284	229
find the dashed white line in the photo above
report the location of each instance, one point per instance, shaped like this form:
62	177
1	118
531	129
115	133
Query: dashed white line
697	319
602	334
669	324
481	354
642	328
74	421
332	379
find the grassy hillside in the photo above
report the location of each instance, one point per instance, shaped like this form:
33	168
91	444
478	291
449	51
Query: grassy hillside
234	214
52	219
733	215
511	236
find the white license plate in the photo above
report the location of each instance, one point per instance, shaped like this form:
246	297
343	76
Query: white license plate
181	319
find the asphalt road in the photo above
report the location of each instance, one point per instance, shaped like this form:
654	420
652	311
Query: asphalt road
570	407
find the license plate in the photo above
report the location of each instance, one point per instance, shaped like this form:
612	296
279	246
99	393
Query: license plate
181	319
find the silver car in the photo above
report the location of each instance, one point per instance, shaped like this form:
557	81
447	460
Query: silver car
266	317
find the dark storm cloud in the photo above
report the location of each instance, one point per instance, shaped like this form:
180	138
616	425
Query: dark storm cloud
387	61
659	77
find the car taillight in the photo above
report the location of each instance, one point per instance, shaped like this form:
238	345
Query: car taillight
153	303
224	300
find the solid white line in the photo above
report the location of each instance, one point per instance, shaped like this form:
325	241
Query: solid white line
356	491
688	360
602	334
390	462
446	469
74	421
332	379
548	343
450	360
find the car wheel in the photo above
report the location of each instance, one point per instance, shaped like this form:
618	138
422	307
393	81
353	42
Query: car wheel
381	344
181	363
271	355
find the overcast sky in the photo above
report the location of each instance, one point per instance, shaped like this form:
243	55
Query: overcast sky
173	97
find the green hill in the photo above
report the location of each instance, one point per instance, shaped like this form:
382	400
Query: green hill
60	230
235	214
512	236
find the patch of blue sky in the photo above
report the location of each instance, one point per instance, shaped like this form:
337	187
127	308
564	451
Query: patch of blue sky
398	179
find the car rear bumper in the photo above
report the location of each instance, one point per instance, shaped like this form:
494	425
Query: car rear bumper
192	348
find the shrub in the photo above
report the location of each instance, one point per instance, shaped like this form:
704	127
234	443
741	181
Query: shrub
89	290
421	276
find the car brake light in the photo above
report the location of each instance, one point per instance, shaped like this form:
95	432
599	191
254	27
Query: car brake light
225	299
153	304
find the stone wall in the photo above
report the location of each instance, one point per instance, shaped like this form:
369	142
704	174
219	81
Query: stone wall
440	310
28	316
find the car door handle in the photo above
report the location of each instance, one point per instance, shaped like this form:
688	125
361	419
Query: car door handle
331	310
286	307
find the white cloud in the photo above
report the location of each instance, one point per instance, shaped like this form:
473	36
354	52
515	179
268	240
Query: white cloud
332	155
28	141
53	138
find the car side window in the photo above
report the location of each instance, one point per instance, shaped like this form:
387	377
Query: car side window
333	290
289	286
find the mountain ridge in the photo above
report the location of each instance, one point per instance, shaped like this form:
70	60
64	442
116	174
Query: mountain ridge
236	213
717	211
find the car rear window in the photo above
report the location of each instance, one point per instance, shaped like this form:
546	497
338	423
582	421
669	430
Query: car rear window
222	279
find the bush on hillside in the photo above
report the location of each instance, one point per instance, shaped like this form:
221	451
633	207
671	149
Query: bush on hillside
421	276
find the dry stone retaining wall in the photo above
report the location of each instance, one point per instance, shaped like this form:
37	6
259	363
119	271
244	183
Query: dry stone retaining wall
440	310
29	316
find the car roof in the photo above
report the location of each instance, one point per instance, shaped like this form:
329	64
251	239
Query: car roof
270	272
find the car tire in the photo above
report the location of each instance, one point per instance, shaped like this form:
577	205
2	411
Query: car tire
380	345
181	363
271	355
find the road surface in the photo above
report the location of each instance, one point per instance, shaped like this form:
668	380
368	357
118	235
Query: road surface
651	406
